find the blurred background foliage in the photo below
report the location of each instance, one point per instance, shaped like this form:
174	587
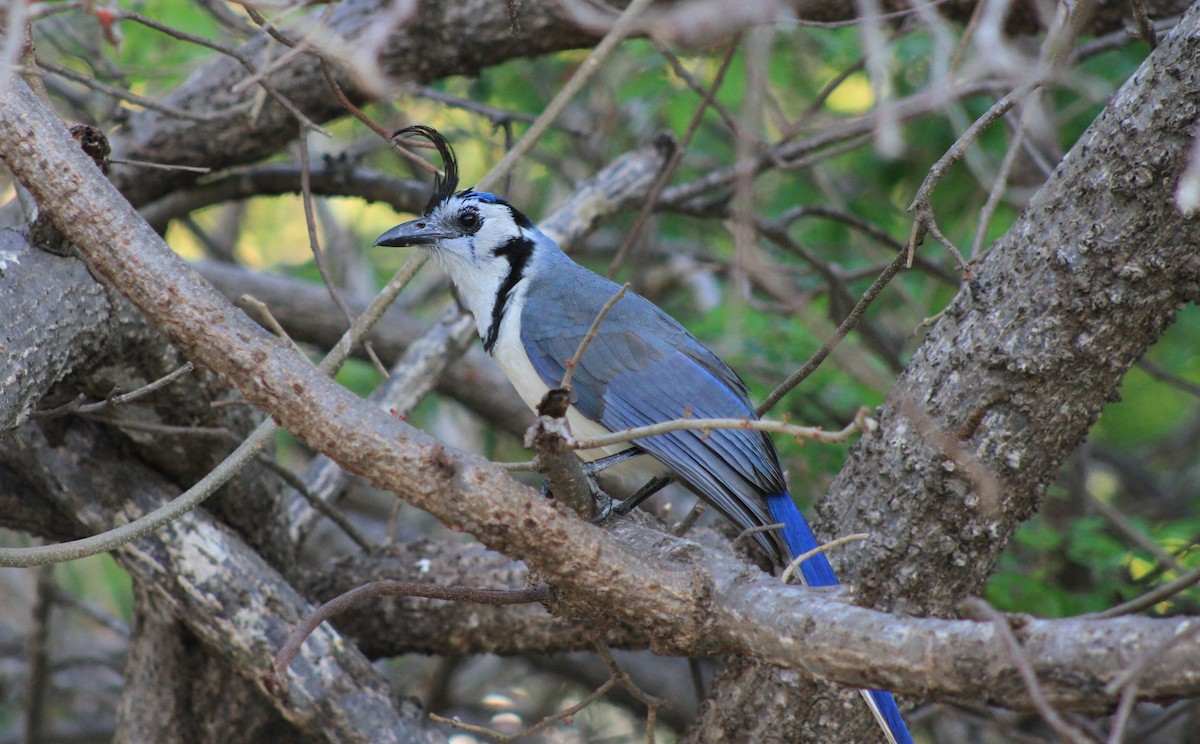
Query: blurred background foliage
1124	516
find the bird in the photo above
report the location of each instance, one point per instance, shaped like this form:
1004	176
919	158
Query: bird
533	305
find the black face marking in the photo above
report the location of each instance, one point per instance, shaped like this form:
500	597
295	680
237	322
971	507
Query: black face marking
521	220
517	252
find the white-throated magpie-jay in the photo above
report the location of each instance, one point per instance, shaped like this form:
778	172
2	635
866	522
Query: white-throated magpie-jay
533	305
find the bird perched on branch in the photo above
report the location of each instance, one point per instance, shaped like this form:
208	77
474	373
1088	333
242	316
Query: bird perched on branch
533	305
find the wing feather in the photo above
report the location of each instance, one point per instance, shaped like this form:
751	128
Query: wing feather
642	368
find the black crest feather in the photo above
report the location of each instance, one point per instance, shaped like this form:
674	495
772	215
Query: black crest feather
445	184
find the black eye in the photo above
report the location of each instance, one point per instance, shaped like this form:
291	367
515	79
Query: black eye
469	220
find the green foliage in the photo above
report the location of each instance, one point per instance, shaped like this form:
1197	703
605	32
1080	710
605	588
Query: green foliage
1086	565
158	62
99	581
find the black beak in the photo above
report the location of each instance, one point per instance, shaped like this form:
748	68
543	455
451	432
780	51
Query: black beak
417	232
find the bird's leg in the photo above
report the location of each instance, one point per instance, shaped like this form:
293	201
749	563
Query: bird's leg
624	507
654	486
604	506
608	509
601	464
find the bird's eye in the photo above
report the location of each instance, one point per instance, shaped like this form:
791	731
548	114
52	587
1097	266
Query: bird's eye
469	220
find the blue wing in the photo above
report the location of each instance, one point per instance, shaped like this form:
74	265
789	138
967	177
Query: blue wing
642	368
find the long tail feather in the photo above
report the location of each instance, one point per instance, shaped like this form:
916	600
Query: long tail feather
817	571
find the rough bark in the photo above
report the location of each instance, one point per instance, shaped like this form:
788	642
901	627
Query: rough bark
56	322
179	690
1012	377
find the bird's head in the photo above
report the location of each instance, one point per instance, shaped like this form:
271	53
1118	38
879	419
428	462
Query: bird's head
466	230
479	239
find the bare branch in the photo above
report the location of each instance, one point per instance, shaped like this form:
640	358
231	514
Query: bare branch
815	433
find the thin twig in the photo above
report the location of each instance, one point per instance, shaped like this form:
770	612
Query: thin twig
847	325
146	103
99	615
1163	375
322	261
1025	668
689	521
921	204
563	714
355	111
161	166
1130	532
1151	598
999	185
932	227
267	317
650	701
332	514
704	91
786	576
837	284
591	334
842	131
752	531
1120	719
497	116
814	433
676	157
1118	40
590	66
525	466
242	59
214	432
78	406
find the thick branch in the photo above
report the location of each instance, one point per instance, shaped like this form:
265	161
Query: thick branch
331	178
56	317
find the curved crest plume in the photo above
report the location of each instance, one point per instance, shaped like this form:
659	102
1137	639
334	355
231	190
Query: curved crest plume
446	183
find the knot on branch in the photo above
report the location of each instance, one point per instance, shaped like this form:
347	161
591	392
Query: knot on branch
550	433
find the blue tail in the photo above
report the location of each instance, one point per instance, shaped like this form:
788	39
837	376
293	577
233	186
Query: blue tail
818	572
